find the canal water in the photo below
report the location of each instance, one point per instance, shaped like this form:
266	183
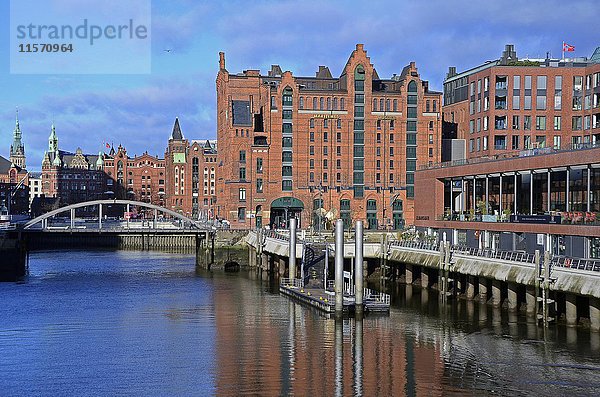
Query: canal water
121	323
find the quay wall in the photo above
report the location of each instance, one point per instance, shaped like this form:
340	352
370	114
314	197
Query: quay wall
567	280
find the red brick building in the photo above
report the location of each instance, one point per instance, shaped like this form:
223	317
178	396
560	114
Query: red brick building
14	190
531	179
190	170
141	178
77	177
510	104
323	147
72	177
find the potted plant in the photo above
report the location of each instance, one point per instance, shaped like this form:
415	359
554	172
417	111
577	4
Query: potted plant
506	214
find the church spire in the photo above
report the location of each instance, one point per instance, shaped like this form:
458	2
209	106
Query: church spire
176	134
17	149
53	140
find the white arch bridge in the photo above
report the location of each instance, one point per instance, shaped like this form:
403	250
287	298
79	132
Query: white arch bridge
175	232
185	223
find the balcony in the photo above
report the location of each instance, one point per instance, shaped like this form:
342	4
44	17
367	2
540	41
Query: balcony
260	141
500	103
501	83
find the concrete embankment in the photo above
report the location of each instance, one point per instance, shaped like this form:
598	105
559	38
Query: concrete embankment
13	262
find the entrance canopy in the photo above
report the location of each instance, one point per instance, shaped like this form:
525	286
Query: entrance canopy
287	202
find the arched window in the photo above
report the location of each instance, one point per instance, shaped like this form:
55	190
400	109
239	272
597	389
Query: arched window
335	103
412	86
301	104
374	104
315	103
328	103
321	103
359	78
381	104
287	97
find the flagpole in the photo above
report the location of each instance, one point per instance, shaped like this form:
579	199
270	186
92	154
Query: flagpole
563	51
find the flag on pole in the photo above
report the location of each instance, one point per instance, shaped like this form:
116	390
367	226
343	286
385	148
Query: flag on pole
568	47
107	145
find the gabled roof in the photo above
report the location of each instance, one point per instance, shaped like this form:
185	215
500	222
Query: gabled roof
208	145
65	158
323	73
5	165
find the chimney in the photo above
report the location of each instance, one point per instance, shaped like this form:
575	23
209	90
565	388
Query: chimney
221	60
451	72
359	47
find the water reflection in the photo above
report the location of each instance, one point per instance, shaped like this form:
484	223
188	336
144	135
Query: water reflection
339	356
174	329
358	356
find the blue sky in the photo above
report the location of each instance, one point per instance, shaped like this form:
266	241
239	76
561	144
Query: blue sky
138	110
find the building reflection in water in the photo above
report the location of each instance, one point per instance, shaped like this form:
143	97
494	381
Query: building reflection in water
273	349
270	345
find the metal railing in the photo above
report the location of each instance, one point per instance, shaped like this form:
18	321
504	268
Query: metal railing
369	295
276	235
330	285
511	155
575	218
592	265
512	256
430	246
375	296
292	282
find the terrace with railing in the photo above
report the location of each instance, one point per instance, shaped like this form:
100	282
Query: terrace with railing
553	217
512	155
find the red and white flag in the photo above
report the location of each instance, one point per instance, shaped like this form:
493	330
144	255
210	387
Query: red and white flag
568	47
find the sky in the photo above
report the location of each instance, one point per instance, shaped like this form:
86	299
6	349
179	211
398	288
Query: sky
138	110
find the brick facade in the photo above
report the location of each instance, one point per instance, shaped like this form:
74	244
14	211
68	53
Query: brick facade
190	175
321	147
139	178
510	105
